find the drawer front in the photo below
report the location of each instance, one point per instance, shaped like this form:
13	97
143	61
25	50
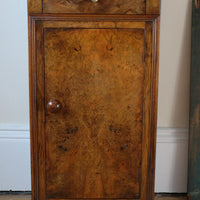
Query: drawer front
95	6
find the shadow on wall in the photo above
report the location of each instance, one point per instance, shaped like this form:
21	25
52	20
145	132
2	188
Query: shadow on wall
182	93
175	51
182	84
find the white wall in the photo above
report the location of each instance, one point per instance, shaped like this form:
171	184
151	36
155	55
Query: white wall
171	167
14	63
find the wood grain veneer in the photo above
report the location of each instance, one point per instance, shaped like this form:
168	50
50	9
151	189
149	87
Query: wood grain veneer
102	6
93	98
138	7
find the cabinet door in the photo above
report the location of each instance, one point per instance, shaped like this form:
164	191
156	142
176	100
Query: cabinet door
93	85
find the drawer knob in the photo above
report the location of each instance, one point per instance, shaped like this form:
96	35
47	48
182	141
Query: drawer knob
53	106
94	1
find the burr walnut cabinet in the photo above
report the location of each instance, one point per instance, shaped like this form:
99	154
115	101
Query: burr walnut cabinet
93	98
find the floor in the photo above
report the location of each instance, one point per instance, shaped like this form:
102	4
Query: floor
28	197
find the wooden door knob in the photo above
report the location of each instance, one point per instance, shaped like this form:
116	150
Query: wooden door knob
53	106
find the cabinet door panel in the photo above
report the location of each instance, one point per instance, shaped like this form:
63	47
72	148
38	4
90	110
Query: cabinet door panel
95	101
94	141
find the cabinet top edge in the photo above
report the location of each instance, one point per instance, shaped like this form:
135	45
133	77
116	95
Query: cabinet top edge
63	17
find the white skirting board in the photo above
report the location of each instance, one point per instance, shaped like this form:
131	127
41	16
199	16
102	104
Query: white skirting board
171	159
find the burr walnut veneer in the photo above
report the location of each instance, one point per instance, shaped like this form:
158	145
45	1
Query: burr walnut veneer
93	98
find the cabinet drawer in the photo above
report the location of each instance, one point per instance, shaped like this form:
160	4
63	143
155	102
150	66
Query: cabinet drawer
95	6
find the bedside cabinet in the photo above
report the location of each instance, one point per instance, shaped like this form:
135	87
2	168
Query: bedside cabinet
93	98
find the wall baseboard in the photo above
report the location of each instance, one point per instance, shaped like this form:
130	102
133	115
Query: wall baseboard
172	135
15	172
14	132
171	159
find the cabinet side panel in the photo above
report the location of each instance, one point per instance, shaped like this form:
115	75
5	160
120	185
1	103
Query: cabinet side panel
40	109
36	109
32	107
34	6
146	109
155	57
150	109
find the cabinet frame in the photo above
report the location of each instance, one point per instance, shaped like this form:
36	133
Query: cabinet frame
36	25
